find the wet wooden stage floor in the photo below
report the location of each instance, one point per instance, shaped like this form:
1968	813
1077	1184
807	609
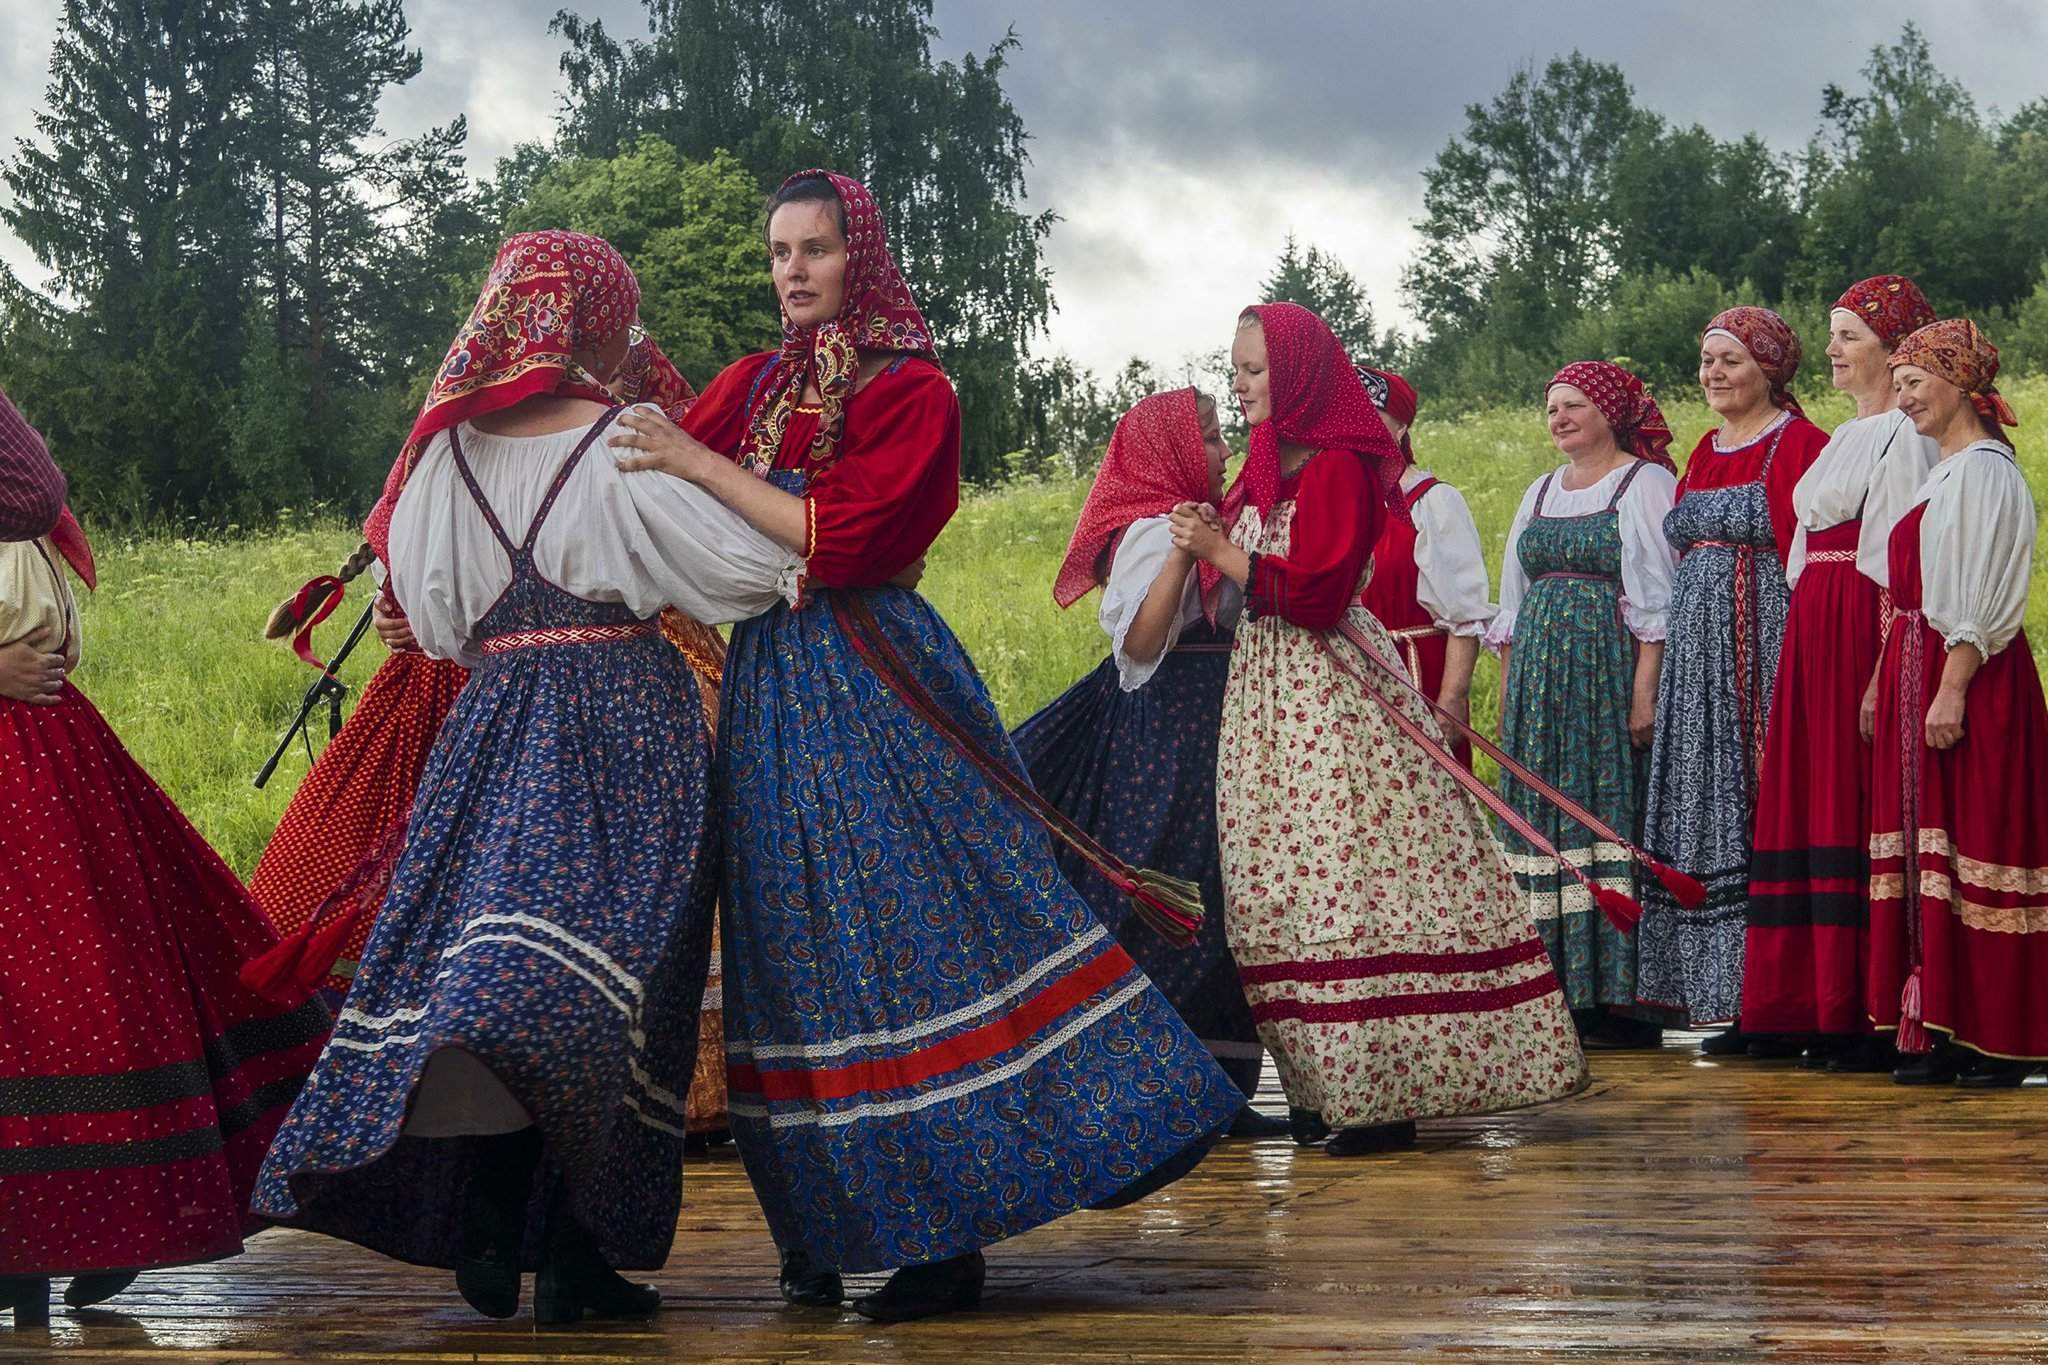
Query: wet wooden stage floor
1681	1210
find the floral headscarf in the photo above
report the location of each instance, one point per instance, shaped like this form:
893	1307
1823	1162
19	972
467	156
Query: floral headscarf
1892	306
549	295
878	314
1770	341
1956	350
1395	397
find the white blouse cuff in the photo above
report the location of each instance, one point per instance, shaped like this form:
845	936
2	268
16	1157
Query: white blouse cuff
1648	626
1971	635
1501	631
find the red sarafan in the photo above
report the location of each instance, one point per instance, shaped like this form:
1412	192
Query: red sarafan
140	1082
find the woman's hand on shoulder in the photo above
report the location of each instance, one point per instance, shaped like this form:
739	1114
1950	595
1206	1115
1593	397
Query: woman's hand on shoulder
650	440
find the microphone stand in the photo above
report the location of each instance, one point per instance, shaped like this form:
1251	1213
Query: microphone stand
325	686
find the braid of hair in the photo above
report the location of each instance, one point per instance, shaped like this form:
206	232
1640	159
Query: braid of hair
288	615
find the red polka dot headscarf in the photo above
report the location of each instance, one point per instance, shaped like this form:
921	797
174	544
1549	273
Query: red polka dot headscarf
1156	460
1317	400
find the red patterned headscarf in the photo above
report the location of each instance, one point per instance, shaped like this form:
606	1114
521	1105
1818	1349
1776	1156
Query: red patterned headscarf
549	295
1395	397
1889	305
1770	341
1318	401
1155	461
1955	350
1638	422
877	314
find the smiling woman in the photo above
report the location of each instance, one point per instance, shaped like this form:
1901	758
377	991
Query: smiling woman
1732	526
1808	906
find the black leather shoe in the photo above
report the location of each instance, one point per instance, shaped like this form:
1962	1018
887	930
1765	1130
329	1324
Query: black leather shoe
493	1227
1378	1137
1306	1127
1996	1073
86	1290
1250	1123
1729	1042
923	1291
1938	1067
1620	1033
808	1285
1775	1047
574	1278
1867	1056
28	1296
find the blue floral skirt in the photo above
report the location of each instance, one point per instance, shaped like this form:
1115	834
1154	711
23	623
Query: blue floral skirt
933	1043
551	915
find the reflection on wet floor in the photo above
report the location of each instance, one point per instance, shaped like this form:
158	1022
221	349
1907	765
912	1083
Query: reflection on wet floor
1732	1211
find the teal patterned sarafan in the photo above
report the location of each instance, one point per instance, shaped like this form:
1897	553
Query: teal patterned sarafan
1570	676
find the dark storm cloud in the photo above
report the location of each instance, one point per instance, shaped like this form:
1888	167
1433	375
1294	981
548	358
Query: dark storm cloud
1181	139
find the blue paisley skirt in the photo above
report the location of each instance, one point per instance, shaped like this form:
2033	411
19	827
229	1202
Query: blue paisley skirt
933	1044
551	915
1138	771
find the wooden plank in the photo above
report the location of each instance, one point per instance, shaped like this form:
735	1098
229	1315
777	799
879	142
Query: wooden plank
1681	1210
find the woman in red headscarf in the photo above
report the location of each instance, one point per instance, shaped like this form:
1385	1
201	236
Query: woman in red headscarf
907	971
331	856
1390	963
1129	752
1808	888
1959	835
1428	585
518	1035
1732	527
139	1081
1585	591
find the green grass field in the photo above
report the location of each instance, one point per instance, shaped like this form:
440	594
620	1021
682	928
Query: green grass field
174	659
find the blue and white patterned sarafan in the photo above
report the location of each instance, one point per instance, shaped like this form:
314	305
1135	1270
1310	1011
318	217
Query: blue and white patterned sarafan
551	915
932	1042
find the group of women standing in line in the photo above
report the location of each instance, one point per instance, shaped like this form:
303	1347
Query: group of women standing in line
1735	663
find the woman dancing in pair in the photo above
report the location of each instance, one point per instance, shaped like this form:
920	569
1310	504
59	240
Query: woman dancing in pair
1129	752
934	1044
1391	965
504	1088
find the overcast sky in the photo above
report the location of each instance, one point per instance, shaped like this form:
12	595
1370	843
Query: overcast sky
1180	140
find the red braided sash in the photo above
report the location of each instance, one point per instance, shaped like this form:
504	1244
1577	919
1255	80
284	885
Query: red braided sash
1750	701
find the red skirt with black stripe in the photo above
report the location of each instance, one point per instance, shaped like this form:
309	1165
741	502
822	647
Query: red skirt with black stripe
1971	906
140	1084
1808	906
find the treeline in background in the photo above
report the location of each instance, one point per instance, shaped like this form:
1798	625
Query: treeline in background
251	285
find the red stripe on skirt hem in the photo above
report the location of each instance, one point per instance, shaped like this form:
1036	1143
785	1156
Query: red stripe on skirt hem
1393	964
976	1045
1396	1006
